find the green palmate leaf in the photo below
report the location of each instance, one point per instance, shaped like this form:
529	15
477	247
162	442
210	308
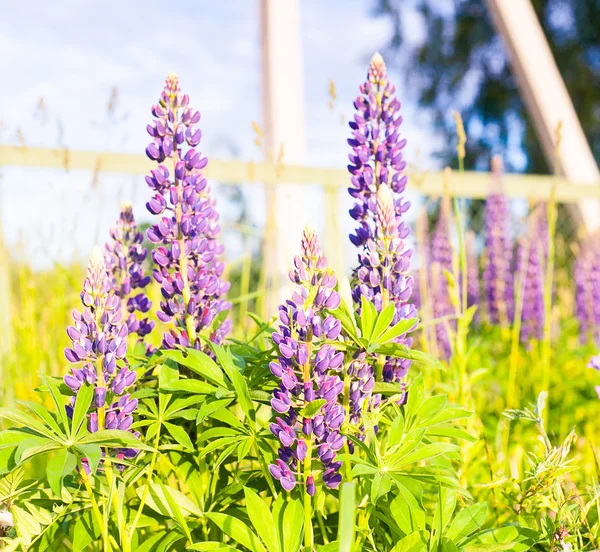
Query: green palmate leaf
168	374
225	358
158	502
382	322
35	446
312	408
262	520
161	542
211	405
26	524
189	386
58	400
200	363
467	521
426	452
431	406
291	526
368	315
112	438
402	351
386	388
63	463
347	516
177	513
23	419
237	530
444	509
212	546
513	538
415	542
229	418
396	430
9	442
180	435
93	453
398	329
43	413
85	532
407	511
82	404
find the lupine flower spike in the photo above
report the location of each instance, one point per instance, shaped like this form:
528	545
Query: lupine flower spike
307	399
497	272
382	275
99	345
188	265
587	290
125	256
441	257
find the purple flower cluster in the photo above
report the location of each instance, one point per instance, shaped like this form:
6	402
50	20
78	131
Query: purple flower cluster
376	156
441	257
99	344
531	275
125	256
188	265
587	289
308	396
376	183
497	272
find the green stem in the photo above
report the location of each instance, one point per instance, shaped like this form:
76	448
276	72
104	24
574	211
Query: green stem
95	508
129	531
308	528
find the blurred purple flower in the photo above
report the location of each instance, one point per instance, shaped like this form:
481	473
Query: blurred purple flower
587	289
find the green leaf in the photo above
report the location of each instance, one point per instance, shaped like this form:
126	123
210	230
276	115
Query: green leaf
200	363
58	402
189	386
82	404
382	322
160	542
312	408
179	518
398	329
444	509
23	419
180	435
225	358
211	545
512	537
347	516
386	388
293	523
467	521
93	453
368	314
402	351
113	438
426	452
43	413
237	530
411	543
60	465
159	503
407	511
396	430
34	446
262	520
85	532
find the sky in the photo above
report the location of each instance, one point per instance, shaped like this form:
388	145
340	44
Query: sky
71	59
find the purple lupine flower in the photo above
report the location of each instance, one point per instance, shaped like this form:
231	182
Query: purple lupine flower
308	371
125	256
587	290
531	275
98	346
497	272
187	259
377	164
441	262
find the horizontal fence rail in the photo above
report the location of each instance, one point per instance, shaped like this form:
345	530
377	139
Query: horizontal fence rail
470	184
